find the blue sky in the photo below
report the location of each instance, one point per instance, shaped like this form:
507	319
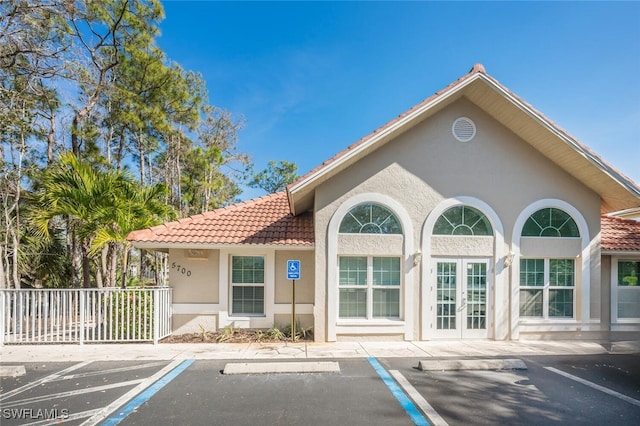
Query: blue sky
311	78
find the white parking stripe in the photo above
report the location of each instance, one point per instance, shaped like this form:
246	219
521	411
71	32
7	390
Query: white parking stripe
70	417
427	409
112	370
106	411
71	393
49	378
595	386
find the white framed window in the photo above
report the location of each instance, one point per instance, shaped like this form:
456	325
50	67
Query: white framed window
625	290
369	287
547	288
247	285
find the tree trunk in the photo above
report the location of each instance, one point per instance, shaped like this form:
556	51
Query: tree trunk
51	138
86	265
104	259
125	266
143	266
16	275
142	161
97	263
75	142
76	259
113	264
120	150
3	281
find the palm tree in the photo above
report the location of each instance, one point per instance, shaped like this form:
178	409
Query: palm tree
134	208
101	207
77	191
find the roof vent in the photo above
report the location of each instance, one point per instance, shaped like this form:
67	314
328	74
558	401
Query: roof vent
463	129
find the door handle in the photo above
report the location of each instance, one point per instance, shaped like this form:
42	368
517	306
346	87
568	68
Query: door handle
463	304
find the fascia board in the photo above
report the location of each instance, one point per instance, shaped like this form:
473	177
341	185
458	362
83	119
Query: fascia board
391	129
165	246
605	168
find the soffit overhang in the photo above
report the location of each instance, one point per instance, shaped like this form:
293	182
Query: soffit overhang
616	190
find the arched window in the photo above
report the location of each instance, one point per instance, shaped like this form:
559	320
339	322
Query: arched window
370	218
462	220
550	222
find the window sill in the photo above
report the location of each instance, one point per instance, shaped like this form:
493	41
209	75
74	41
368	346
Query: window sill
548	320
371	322
246	317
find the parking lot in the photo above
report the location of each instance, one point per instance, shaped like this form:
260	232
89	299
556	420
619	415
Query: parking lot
585	390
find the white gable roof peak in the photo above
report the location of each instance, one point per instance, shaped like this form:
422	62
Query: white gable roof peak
617	191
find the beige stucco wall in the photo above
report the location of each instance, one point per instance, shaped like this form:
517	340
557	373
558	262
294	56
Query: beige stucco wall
462	246
304	286
426	165
194	280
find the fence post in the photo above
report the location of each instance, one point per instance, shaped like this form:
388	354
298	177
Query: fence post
156	315
83	293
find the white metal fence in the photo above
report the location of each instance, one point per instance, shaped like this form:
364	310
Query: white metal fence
85	315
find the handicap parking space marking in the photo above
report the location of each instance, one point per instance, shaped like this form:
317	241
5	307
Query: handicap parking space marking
595	386
49	378
111	370
21	407
138	395
21	402
427	409
416	417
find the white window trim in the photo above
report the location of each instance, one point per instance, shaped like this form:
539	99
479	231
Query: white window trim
585	261
546	287
262	284
614	290
404	326
370	286
499	279
225	317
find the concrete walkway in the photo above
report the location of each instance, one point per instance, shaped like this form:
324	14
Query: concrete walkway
12	354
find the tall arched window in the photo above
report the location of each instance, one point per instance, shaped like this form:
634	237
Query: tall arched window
547	284
550	222
370	218
369	286
462	220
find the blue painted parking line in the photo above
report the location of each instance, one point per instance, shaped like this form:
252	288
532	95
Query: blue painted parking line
413	412
147	394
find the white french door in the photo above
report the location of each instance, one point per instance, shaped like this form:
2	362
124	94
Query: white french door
461	293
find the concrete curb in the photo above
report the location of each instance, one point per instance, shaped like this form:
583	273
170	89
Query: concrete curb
472	364
12	370
625	347
281	367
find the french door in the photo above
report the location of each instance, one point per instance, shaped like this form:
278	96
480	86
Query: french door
461	298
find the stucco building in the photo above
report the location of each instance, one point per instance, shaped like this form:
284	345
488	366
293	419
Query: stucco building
471	215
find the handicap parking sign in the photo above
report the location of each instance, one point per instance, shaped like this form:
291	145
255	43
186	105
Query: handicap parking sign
293	269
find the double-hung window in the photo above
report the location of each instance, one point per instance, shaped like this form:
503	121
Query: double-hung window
626	292
369	287
247	285
547	288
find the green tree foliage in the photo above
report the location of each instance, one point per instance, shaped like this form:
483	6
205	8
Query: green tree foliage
275	177
87	77
102	206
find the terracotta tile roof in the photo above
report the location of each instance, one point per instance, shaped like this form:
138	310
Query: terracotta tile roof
620	234
264	220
